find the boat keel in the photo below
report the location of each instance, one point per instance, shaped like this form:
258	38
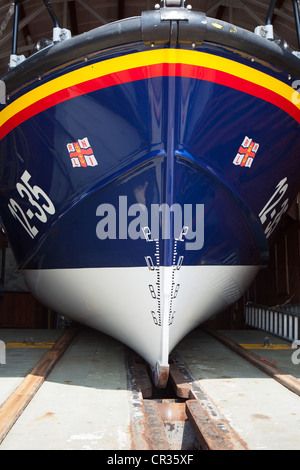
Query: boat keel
160	375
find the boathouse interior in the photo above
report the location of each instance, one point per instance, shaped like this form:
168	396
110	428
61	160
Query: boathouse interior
277	285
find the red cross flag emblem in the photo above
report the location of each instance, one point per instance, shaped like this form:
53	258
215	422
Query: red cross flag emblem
81	153
246	153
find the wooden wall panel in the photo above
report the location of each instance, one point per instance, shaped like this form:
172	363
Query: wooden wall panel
22	310
279	283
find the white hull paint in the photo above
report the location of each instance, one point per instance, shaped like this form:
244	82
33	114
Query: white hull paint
148	310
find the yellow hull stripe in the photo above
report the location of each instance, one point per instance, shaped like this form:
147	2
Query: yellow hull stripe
201	62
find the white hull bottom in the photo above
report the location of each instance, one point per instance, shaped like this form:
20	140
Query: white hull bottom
148	309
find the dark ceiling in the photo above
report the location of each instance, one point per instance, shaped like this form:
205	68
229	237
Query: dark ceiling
82	15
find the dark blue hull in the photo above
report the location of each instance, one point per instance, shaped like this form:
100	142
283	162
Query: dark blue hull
177	135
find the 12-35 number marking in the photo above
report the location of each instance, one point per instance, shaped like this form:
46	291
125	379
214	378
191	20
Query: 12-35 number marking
40	209
272	212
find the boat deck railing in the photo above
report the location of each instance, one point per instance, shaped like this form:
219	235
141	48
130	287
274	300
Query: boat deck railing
282	321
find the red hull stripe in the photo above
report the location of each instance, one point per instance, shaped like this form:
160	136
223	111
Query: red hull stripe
150	71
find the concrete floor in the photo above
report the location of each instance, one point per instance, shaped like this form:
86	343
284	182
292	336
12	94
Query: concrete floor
264	413
85	403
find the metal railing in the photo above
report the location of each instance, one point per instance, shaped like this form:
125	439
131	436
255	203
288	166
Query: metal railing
281	321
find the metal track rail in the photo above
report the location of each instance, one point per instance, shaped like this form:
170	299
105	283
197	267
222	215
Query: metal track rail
191	407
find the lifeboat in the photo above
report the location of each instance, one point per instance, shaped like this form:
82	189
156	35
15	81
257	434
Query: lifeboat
145	167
